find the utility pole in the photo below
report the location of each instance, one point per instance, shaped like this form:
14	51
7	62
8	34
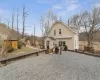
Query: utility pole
34	35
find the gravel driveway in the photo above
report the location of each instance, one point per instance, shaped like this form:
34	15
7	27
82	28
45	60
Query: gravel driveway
68	66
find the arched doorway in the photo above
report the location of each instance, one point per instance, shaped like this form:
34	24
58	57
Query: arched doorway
48	44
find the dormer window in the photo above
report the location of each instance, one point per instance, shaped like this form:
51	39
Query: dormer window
54	32
59	31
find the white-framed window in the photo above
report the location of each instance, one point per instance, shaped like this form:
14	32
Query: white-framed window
59	31
62	43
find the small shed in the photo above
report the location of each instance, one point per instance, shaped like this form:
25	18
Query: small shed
12	39
12	43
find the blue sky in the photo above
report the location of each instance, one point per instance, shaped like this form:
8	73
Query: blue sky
36	8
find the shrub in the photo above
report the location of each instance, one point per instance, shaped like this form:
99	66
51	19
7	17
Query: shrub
20	44
0	46
42	46
89	49
10	49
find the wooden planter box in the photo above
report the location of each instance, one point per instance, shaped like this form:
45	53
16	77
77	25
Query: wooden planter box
49	51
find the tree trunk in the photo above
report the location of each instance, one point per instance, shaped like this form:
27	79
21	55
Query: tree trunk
43	42
4	51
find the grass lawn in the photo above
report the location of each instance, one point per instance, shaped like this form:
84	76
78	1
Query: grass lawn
21	51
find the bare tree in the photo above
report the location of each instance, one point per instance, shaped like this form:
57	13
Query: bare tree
13	16
68	22
34	35
75	21
17	19
5	47
42	25
47	20
24	19
8	24
90	21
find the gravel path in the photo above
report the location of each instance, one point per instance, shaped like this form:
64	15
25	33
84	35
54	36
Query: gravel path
68	66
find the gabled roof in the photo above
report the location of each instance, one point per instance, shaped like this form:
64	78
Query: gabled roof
64	25
52	38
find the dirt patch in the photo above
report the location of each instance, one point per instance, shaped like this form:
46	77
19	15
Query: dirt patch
96	46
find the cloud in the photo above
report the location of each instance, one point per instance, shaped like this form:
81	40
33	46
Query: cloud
5	15
69	5
45	1
73	1
66	6
73	7
57	7
1	11
97	5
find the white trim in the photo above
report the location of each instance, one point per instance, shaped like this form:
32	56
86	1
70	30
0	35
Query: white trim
65	37
50	38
